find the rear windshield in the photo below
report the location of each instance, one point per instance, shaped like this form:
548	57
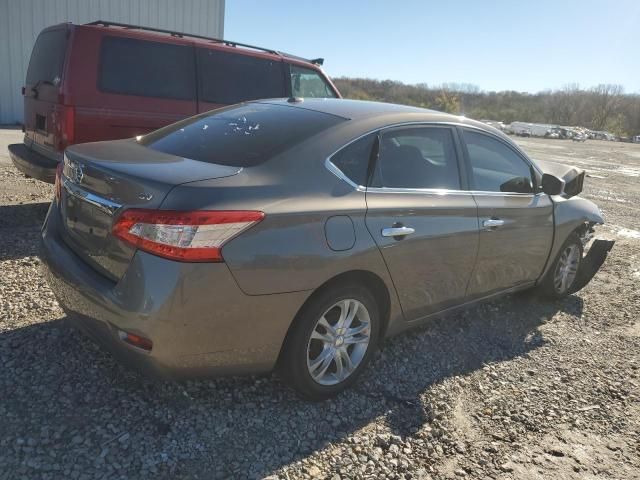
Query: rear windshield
240	136
47	58
148	69
229	78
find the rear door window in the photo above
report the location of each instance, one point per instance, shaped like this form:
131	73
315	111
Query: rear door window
228	78
148	69
420	157
306	82
240	136
47	58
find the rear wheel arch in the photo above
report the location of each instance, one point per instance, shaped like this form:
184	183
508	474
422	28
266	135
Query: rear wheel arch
369	280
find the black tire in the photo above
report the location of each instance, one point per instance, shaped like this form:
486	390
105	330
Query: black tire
548	287
293	361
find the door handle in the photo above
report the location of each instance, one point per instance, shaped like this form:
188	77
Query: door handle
493	223
397	231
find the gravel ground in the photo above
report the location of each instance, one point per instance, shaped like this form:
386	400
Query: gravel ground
517	388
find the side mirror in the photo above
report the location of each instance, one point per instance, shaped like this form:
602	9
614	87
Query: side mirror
552	185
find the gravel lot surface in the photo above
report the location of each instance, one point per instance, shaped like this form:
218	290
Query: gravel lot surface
517	388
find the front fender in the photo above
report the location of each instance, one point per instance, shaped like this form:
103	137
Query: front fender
575	210
569	215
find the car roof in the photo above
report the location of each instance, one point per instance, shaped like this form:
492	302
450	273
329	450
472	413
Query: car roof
347	109
383	113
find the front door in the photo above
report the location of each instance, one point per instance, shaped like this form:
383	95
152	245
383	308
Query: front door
516	222
422	219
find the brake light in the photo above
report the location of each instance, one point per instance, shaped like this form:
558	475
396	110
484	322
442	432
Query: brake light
68	126
196	236
59	181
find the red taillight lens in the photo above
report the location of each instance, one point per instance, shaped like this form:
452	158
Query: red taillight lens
185	236
69	126
135	340
59	181
66	126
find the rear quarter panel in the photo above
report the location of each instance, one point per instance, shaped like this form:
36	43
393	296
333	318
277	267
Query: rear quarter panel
288	251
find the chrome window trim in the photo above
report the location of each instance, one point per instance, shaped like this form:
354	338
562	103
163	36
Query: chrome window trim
341	175
445	191
107	206
361	188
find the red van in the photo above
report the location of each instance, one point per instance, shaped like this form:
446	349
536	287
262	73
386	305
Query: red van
105	81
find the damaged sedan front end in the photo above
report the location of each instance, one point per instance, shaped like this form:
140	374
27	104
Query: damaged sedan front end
575	214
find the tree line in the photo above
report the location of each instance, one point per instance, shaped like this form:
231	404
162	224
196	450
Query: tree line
603	107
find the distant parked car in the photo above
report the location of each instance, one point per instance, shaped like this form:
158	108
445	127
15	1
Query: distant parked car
552	134
579	137
636	139
105	81
299	234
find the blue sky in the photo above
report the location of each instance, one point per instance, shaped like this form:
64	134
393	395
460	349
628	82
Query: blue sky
496	45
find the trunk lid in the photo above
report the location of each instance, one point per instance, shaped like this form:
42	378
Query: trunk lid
101	179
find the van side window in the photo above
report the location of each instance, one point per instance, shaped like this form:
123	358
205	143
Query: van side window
148	69
229	78
306	82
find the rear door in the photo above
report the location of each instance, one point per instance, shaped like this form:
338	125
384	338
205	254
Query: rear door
421	217
42	87
516	220
225	78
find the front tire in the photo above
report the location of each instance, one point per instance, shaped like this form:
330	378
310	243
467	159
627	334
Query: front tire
331	342
561	278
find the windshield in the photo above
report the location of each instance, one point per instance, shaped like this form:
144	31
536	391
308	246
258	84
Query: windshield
240	136
306	82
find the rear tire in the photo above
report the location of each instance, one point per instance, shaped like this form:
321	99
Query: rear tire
561	277
331	341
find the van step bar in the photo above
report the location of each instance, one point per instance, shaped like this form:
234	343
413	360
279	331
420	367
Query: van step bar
229	43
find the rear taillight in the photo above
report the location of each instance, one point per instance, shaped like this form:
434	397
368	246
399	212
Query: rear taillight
185	236
66	126
69	126
59	181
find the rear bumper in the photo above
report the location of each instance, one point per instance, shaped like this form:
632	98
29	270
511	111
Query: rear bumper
32	163
200	322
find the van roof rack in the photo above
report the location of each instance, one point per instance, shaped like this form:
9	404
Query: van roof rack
229	43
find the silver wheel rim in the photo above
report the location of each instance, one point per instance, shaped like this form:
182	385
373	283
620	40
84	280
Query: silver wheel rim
338	342
566	269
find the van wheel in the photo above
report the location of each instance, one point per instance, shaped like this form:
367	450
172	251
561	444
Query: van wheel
562	275
331	342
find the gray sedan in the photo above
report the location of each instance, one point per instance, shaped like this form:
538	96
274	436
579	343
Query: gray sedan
299	234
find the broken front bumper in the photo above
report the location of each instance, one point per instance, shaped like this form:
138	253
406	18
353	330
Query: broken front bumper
592	261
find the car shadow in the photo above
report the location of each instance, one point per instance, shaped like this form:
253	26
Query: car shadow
100	415
19	227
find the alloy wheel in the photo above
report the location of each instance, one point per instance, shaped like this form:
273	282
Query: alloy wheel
338	342
567	268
